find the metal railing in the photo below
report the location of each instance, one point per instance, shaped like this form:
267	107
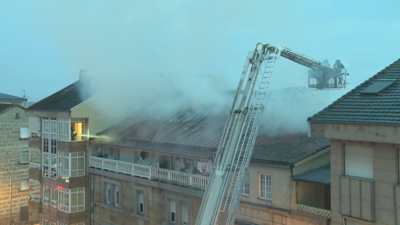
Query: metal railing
34	197
316	211
151	173
35	166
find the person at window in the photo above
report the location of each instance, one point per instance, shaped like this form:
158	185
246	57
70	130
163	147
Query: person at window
73	134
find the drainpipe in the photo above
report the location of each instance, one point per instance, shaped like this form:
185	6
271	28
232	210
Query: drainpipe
10	192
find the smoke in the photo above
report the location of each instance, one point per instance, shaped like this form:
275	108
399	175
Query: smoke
160	94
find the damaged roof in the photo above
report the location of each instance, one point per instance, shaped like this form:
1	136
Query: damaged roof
286	149
368	103
63	100
198	135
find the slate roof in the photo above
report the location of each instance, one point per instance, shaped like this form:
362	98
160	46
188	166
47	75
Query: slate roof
320	175
63	100
11	98
4	107
354	107
286	149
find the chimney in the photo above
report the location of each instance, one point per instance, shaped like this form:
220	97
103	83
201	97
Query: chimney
83	74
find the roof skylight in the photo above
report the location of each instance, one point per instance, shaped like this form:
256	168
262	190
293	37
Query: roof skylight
377	86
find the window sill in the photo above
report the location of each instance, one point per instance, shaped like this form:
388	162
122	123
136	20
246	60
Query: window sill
357	178
110	207
140	216
265	199
19	190
23	163
245	195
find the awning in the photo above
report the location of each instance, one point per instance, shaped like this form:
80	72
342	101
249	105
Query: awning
321	175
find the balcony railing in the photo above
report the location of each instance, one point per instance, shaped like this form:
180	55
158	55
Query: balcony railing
35	166
316	211
151	173
34	197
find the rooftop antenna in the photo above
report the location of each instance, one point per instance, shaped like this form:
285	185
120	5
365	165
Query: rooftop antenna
24	96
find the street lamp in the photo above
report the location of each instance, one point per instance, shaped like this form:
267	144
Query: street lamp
10	192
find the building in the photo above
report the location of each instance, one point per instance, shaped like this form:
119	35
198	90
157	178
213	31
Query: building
59	126
148	170
15	157
363	127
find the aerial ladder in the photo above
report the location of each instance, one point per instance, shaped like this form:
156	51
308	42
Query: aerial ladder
222	195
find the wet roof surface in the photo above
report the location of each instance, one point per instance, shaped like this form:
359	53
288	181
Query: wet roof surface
381	108
11	98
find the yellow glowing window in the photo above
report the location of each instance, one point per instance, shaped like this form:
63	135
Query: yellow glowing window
77	130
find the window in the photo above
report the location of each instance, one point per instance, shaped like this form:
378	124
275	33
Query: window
46	195
24	185
245	188
71	199
359	162
140	203
53	197
112	193
77	129
185	213
172	211
24	132
24	156
265	186
139	210
64	129
49	148
178	209
71	164
45	222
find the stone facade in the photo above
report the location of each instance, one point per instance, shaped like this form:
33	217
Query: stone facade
11	146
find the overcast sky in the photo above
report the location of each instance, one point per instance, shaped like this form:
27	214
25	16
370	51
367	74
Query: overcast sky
44	44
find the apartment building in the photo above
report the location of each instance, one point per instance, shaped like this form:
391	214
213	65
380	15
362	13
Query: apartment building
363	127
59	128
152	170
15	156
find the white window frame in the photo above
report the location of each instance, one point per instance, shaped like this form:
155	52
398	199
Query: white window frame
265	186
140	203
246	185
108	194
46	195
64	129
140	214
45	222
53	197
27	185
25	156
359	161
66	162
117	194
66	198
179	201
172	211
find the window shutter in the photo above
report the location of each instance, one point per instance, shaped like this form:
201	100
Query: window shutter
359	162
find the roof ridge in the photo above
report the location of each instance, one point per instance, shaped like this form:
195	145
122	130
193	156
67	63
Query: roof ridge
355	89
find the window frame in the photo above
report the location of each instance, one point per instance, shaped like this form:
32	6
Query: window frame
65	164
46	195
267	186
136	203
178	215
110	188
22	153
65	200
27	185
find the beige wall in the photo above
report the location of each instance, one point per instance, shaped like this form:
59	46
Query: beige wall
280	181
10	153
307	164
363	198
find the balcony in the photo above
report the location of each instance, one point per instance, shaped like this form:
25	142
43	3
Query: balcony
315	211
151	173
34	204
34	171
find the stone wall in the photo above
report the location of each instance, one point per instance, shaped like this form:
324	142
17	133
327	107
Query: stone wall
10	153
